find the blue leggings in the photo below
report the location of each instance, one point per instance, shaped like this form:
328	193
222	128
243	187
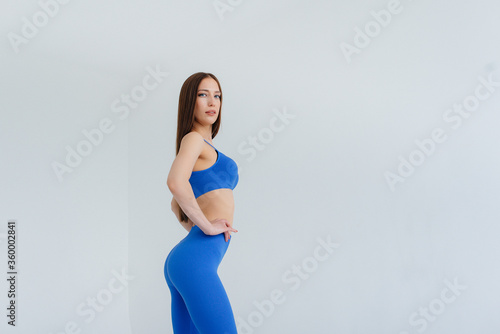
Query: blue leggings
199	301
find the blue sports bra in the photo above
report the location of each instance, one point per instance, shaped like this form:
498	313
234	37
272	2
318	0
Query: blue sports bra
222	174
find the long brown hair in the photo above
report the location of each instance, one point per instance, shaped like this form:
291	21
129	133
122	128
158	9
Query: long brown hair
185	114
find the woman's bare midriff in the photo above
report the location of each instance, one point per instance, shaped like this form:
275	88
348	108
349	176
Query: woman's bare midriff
218	203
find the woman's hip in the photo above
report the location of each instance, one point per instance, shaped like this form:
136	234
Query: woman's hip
198	249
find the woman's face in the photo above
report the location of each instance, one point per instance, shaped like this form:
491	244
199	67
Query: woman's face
207	107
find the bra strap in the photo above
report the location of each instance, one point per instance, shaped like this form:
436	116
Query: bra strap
209	144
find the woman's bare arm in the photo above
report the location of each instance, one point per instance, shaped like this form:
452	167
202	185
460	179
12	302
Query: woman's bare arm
178	180
176	209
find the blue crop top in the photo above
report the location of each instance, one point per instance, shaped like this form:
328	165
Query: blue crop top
222	174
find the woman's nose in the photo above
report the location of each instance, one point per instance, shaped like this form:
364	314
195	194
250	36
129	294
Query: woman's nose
210	101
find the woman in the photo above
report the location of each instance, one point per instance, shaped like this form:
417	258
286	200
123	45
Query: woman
201	180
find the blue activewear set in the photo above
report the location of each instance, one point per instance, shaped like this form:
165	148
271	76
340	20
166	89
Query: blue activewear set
199	301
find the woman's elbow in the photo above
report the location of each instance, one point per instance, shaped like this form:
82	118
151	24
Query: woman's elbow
171	184
174	186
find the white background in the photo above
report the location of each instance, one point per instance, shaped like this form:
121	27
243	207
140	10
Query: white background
321	175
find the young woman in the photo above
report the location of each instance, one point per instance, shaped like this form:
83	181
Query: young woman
201	180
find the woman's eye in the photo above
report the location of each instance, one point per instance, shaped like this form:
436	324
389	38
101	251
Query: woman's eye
203	94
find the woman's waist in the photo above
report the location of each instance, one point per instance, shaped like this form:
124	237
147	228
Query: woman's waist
196	233
219	197
221	210
197	241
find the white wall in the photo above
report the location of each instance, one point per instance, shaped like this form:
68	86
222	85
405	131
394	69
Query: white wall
416	255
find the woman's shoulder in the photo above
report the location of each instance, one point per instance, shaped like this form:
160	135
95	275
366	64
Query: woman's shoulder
192	140
192	136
